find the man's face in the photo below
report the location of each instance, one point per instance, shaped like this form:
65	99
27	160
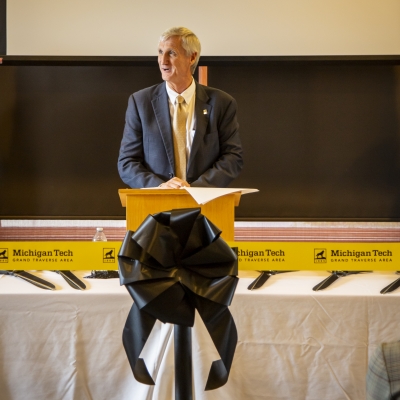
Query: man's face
175	64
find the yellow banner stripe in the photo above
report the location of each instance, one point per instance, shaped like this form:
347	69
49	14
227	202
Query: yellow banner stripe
252	256
318	256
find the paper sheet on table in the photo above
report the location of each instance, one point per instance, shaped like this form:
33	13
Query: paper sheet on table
204	195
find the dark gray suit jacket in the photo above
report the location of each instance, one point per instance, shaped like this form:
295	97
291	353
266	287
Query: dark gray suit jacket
383	376
146	157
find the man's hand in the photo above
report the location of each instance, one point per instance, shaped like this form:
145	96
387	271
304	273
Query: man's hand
174	183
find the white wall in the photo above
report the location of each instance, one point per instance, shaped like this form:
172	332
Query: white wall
225	27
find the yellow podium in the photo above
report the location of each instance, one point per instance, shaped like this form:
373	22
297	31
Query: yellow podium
140	203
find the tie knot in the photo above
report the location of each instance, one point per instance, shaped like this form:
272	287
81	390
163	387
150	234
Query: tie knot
180	99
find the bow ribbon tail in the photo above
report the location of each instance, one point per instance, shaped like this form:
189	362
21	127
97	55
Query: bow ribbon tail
222	329
138	327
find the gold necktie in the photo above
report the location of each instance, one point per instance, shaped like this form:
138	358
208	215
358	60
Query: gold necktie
179	134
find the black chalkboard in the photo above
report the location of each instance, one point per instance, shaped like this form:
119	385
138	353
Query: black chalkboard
321	138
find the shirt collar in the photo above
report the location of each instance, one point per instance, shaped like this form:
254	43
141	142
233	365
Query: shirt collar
187	94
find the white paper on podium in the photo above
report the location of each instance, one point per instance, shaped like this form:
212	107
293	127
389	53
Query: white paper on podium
204	195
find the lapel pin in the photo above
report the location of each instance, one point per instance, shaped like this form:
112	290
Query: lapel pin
205	112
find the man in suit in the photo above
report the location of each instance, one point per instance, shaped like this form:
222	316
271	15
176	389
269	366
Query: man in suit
383	376
180	133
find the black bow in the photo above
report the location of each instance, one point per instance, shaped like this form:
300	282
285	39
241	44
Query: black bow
175	263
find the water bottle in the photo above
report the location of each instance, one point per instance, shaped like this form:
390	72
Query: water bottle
99	236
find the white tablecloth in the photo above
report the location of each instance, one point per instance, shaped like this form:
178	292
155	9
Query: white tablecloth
293	343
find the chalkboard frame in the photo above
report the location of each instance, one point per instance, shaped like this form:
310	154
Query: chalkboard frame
218	63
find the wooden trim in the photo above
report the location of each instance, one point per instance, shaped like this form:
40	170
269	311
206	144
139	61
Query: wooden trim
242	234
203	76
204	60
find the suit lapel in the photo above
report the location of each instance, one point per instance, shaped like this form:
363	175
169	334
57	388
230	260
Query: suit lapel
202	111
161	111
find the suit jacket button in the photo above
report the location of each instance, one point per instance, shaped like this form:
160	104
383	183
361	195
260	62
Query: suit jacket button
171	175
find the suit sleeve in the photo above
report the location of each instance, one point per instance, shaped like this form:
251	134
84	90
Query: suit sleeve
229	162
378	385
131	163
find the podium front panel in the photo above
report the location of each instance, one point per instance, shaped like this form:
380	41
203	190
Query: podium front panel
140	203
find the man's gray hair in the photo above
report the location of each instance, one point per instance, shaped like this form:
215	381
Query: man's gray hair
190	42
